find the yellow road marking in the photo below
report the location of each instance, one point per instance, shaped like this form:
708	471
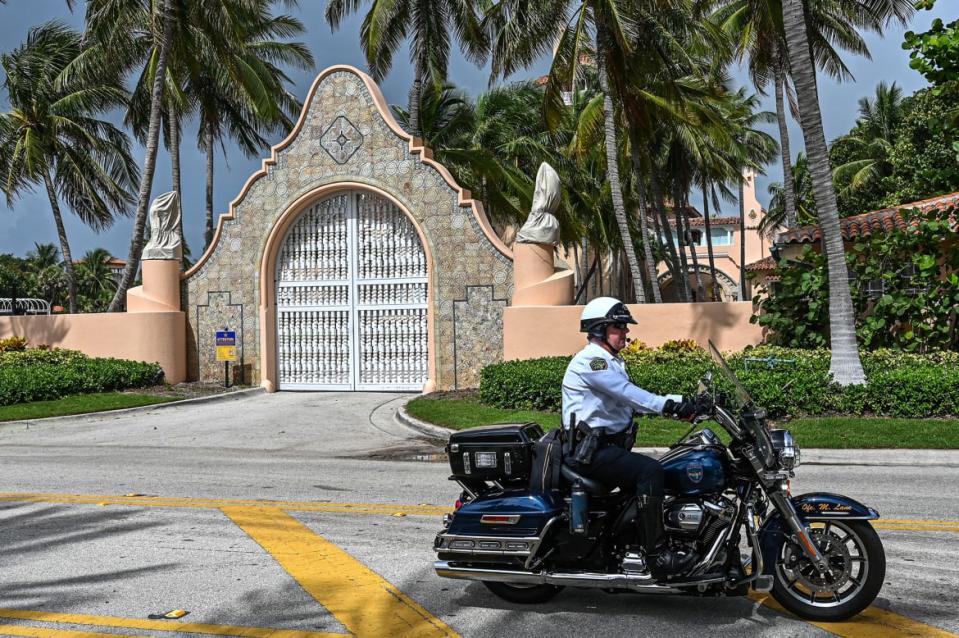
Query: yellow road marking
44	632
387	509
205	503
364	602
159	625
871	623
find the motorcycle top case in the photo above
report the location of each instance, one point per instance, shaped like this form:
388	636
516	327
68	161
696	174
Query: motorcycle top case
497	452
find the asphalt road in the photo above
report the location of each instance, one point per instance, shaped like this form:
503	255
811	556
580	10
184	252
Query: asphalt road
105	521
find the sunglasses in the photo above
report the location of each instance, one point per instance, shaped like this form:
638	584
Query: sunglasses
619	325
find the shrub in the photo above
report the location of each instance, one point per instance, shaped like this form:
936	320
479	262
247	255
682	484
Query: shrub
13	344
38	375
787	382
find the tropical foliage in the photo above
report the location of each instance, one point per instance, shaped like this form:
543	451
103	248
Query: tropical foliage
52	135
900	150
42	275
905	286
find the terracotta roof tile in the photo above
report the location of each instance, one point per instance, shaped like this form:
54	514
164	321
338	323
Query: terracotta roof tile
763	265
880	221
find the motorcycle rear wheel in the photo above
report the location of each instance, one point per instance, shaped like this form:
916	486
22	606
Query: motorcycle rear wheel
857	564
523	594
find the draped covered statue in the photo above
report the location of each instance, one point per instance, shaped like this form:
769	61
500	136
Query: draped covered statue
164	220
541	226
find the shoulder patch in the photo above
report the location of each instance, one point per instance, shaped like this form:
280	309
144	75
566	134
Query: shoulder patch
598	363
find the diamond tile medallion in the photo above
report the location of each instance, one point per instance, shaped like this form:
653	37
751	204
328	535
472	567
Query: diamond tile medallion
341	140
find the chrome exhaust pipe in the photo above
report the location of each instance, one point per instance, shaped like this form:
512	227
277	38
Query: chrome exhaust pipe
609	581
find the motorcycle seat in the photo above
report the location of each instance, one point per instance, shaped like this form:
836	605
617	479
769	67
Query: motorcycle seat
592	486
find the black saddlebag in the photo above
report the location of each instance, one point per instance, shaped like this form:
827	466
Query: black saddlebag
545	475
493	453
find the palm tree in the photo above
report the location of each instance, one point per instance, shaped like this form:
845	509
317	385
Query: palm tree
430	26
805	206
44	256
845	365
757	28
118	27
223	65
52	134
95	280
243	95
871	141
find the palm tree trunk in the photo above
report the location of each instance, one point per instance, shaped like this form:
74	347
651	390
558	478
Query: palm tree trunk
175	169
683	238
788	185
709	244
415	94
845	365
742	242
693	251
149	162
64	243
679	279
208	144
612	172
648	261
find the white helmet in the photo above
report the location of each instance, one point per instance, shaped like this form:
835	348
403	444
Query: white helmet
601	312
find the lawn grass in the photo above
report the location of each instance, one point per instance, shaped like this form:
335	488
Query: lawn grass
79	404
826	432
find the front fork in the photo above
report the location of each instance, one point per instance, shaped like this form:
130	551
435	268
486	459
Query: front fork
801	532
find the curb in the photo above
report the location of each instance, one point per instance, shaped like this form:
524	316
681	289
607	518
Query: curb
236	395
430	430
810	456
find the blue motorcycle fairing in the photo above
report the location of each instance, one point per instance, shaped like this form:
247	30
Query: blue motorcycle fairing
534	511
814	506
694	470
822	506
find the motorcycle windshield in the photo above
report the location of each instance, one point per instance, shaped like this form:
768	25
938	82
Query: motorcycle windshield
741	393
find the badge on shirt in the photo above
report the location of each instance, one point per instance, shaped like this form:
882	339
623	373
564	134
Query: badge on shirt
598	363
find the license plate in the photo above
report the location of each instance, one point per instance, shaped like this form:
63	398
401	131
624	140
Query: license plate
485	459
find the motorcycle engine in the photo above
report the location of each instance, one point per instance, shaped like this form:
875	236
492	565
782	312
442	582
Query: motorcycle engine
685	517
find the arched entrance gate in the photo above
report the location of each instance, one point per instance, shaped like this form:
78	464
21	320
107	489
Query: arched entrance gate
351	298
351	261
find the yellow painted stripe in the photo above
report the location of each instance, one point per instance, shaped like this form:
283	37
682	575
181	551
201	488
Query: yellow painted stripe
383	509
203	503
159	625
918	528
44	632
871	623
365	603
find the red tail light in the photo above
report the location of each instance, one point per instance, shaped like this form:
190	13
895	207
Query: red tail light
458	504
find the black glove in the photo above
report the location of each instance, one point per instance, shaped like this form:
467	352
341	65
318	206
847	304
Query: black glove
682	410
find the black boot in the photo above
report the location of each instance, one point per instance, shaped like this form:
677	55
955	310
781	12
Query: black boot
663	562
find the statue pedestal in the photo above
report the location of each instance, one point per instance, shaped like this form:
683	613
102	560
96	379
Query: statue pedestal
160	291
536	282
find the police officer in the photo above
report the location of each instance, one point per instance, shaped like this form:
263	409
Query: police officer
598	395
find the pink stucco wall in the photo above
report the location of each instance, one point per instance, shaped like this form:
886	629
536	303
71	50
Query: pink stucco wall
144	336
542	331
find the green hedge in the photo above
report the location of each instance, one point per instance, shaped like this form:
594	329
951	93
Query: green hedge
900	384
40	375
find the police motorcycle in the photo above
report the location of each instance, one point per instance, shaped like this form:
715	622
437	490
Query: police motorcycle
527	525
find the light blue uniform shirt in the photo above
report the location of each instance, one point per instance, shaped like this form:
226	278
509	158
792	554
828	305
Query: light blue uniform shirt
598	391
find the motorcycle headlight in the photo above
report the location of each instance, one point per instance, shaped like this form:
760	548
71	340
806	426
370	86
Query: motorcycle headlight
787	450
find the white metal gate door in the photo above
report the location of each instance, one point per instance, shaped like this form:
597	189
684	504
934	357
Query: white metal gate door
351	299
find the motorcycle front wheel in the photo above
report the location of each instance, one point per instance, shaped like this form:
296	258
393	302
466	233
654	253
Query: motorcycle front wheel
856	568
523	594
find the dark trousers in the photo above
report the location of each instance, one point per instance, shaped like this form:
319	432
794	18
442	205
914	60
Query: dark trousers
614	466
